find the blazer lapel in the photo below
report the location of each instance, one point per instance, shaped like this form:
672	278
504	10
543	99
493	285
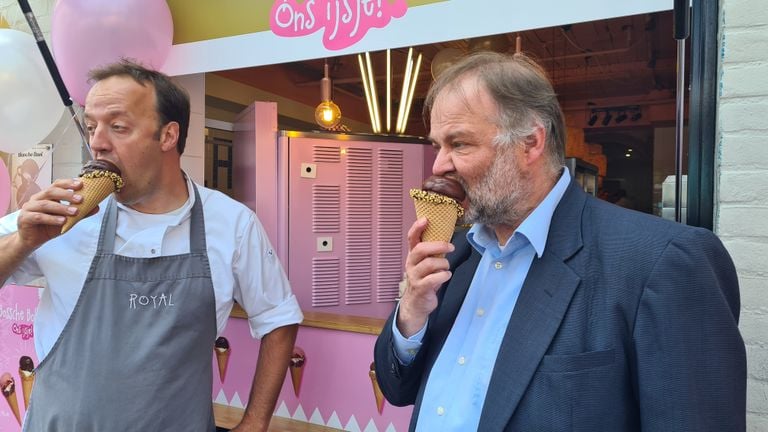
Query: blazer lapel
543	301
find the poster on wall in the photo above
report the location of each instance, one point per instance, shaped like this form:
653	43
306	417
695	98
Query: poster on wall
30	172
18	305
5	184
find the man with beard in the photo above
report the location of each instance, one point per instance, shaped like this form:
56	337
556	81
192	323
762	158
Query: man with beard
555	311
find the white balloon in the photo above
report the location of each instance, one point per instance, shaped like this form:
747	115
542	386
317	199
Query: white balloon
29	105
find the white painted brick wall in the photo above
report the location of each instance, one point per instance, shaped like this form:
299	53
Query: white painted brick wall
742	204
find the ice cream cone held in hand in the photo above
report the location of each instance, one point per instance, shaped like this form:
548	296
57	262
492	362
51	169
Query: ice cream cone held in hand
222	350
27	375
297	368
439	200
100	178
8	387
376	389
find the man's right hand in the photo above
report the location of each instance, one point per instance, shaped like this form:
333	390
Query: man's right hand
425	272
42	217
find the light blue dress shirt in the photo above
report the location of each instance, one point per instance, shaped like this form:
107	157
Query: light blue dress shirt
457	386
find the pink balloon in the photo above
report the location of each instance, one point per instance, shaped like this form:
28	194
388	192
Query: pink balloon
91	33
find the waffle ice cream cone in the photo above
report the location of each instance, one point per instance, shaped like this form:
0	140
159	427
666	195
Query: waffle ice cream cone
222	350
439	200
222	358
376	389
297	369
441	211
27	375
8	387
100	178
27	382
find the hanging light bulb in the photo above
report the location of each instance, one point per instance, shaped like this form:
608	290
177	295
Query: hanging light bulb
327	113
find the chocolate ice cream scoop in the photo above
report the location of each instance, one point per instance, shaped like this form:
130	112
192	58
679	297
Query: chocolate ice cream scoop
101	164
221	343
26	364
103	168
444	186
7	384
297	360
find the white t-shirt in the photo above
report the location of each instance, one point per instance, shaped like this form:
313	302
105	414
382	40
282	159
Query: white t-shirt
244	266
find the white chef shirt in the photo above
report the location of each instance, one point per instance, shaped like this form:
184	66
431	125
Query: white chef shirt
244	267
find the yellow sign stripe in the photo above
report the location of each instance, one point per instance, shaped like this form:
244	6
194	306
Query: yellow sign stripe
198	20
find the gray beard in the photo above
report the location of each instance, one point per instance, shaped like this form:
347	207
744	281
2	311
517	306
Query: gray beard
500	196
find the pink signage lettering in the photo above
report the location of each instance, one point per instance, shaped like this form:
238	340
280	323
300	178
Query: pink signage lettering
24	330
345	21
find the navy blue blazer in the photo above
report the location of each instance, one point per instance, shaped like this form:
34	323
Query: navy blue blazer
627	322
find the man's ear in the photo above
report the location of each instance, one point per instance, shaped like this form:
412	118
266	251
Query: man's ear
169	136
534	144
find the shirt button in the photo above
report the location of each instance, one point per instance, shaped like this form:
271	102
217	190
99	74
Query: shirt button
440	410
498	265
153	251
462	360
480	312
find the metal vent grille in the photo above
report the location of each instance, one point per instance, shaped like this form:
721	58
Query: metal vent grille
359	230
325	282
326	204
326	154
390	224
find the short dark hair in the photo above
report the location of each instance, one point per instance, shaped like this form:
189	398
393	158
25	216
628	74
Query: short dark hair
523	95
172	99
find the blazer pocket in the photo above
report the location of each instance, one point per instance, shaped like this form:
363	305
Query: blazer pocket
577	362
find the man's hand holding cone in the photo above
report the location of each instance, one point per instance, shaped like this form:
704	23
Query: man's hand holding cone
100	178
438	207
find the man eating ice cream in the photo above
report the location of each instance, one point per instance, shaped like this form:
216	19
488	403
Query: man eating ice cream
191	250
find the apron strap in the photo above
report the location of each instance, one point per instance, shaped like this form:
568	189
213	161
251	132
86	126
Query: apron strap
197	243
107	242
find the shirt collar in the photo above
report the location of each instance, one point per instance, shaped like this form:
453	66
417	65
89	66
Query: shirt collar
182	213
535	227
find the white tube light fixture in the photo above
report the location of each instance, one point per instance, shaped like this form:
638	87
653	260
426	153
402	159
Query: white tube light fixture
409	100
368	101
410	79
404	90
389	91
374	96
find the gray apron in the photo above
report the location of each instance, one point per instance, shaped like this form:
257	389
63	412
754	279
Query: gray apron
135	354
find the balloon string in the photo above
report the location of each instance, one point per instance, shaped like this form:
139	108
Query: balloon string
53	70
80	130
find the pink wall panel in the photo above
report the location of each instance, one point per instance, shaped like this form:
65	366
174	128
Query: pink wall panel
353	196
335	377
255	167
18	306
